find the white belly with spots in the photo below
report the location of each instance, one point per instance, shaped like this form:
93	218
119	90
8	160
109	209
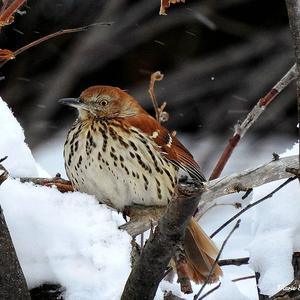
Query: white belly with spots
119	169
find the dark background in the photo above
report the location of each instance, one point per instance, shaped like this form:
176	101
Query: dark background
218	57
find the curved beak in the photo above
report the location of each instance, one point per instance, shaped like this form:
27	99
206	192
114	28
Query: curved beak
74	102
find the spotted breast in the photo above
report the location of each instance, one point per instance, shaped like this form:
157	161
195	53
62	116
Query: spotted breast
118	164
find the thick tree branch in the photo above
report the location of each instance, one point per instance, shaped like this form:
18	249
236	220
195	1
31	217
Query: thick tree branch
293	8
12	281
160	248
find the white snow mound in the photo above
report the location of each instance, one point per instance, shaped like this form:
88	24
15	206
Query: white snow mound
20	161
67	238
276	226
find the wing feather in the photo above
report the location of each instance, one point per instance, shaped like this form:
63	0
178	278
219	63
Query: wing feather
170	146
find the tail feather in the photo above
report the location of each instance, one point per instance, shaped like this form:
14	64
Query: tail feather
201	253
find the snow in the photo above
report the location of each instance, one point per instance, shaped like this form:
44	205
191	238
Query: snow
66	238
72	240
276	227
50	154
20	161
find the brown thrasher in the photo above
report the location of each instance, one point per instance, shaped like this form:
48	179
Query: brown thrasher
116	151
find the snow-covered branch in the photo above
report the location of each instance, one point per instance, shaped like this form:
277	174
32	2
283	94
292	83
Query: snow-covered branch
234	183
245	180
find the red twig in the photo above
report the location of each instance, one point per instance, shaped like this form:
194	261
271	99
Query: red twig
6	15
4	5
61	184
50	36
242	128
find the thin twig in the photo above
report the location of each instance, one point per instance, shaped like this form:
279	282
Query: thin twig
156	76
210	291
252	205
4	5
234	261
217	259
241	129
52	35
243	278
160	114
6	17
3	159
61	184
217	286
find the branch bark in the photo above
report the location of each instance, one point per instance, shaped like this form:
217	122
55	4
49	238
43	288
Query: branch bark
6	16
61	184
12	281
145	276
293	8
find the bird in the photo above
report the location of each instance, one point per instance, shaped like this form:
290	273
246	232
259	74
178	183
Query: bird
116	151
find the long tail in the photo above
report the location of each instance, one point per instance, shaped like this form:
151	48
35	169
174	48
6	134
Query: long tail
200	253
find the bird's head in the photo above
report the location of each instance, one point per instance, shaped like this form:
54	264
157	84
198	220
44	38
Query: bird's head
104	102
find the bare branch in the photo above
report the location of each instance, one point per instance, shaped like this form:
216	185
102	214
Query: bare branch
251	205
210	291
160	114
236	226
46	38
241	129
243	278
61	184
6	16
234	261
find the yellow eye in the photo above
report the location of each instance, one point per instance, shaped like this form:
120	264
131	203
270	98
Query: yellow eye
104	102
